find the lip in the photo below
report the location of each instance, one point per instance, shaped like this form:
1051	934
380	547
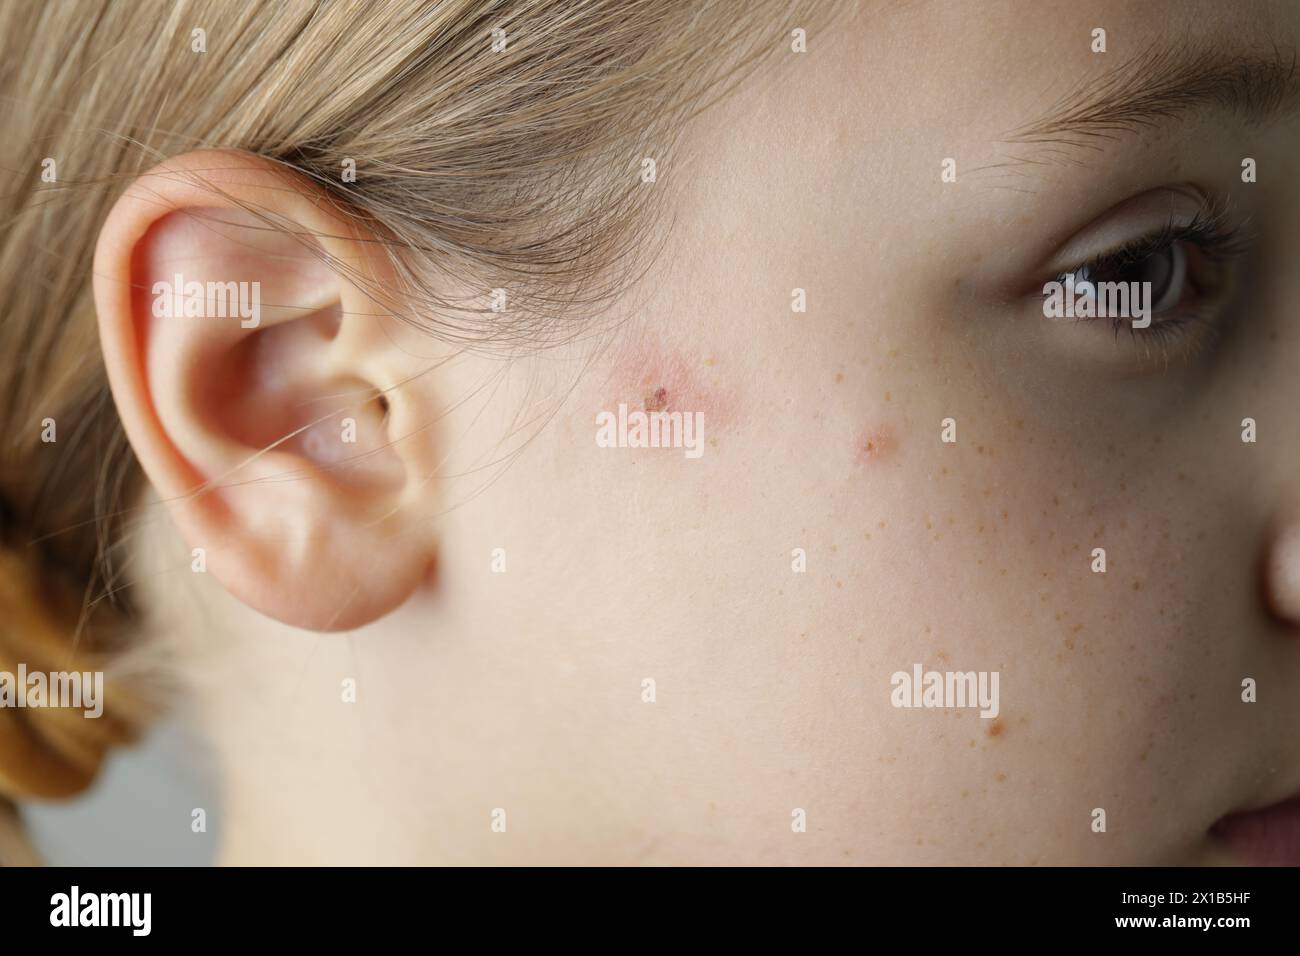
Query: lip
1269	836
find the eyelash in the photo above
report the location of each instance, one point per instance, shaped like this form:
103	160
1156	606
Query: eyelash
1210	231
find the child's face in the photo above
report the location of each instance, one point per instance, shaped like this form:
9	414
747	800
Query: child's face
823	442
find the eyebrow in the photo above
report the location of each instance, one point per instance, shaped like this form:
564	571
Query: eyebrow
1166	83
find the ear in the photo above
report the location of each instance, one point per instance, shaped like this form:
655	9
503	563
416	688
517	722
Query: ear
266	400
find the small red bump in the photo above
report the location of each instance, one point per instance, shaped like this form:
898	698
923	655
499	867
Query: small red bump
876	444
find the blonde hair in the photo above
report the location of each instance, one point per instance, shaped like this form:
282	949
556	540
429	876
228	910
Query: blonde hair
508	157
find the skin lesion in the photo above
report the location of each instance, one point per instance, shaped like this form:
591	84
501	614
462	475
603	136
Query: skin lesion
648	374
876	444
657	401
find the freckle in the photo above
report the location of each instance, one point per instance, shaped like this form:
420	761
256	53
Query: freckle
1000	777
882	524
1137	585
996	728
839	377
972	742
888	398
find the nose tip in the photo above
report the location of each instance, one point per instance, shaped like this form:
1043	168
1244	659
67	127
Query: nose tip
1282	572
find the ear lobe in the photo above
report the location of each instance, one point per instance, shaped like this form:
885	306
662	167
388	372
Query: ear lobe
285	431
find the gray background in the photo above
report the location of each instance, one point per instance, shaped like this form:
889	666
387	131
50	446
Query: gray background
139	811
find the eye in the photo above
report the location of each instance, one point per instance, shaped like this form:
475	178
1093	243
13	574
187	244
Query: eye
1161	287
1151	286
1164	271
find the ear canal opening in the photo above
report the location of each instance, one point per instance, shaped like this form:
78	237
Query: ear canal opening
343	437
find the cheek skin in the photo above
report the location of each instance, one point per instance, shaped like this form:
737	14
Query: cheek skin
647	374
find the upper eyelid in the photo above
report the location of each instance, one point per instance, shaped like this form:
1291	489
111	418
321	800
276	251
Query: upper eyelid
1142	214
1216	238
1136	250
1184	209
